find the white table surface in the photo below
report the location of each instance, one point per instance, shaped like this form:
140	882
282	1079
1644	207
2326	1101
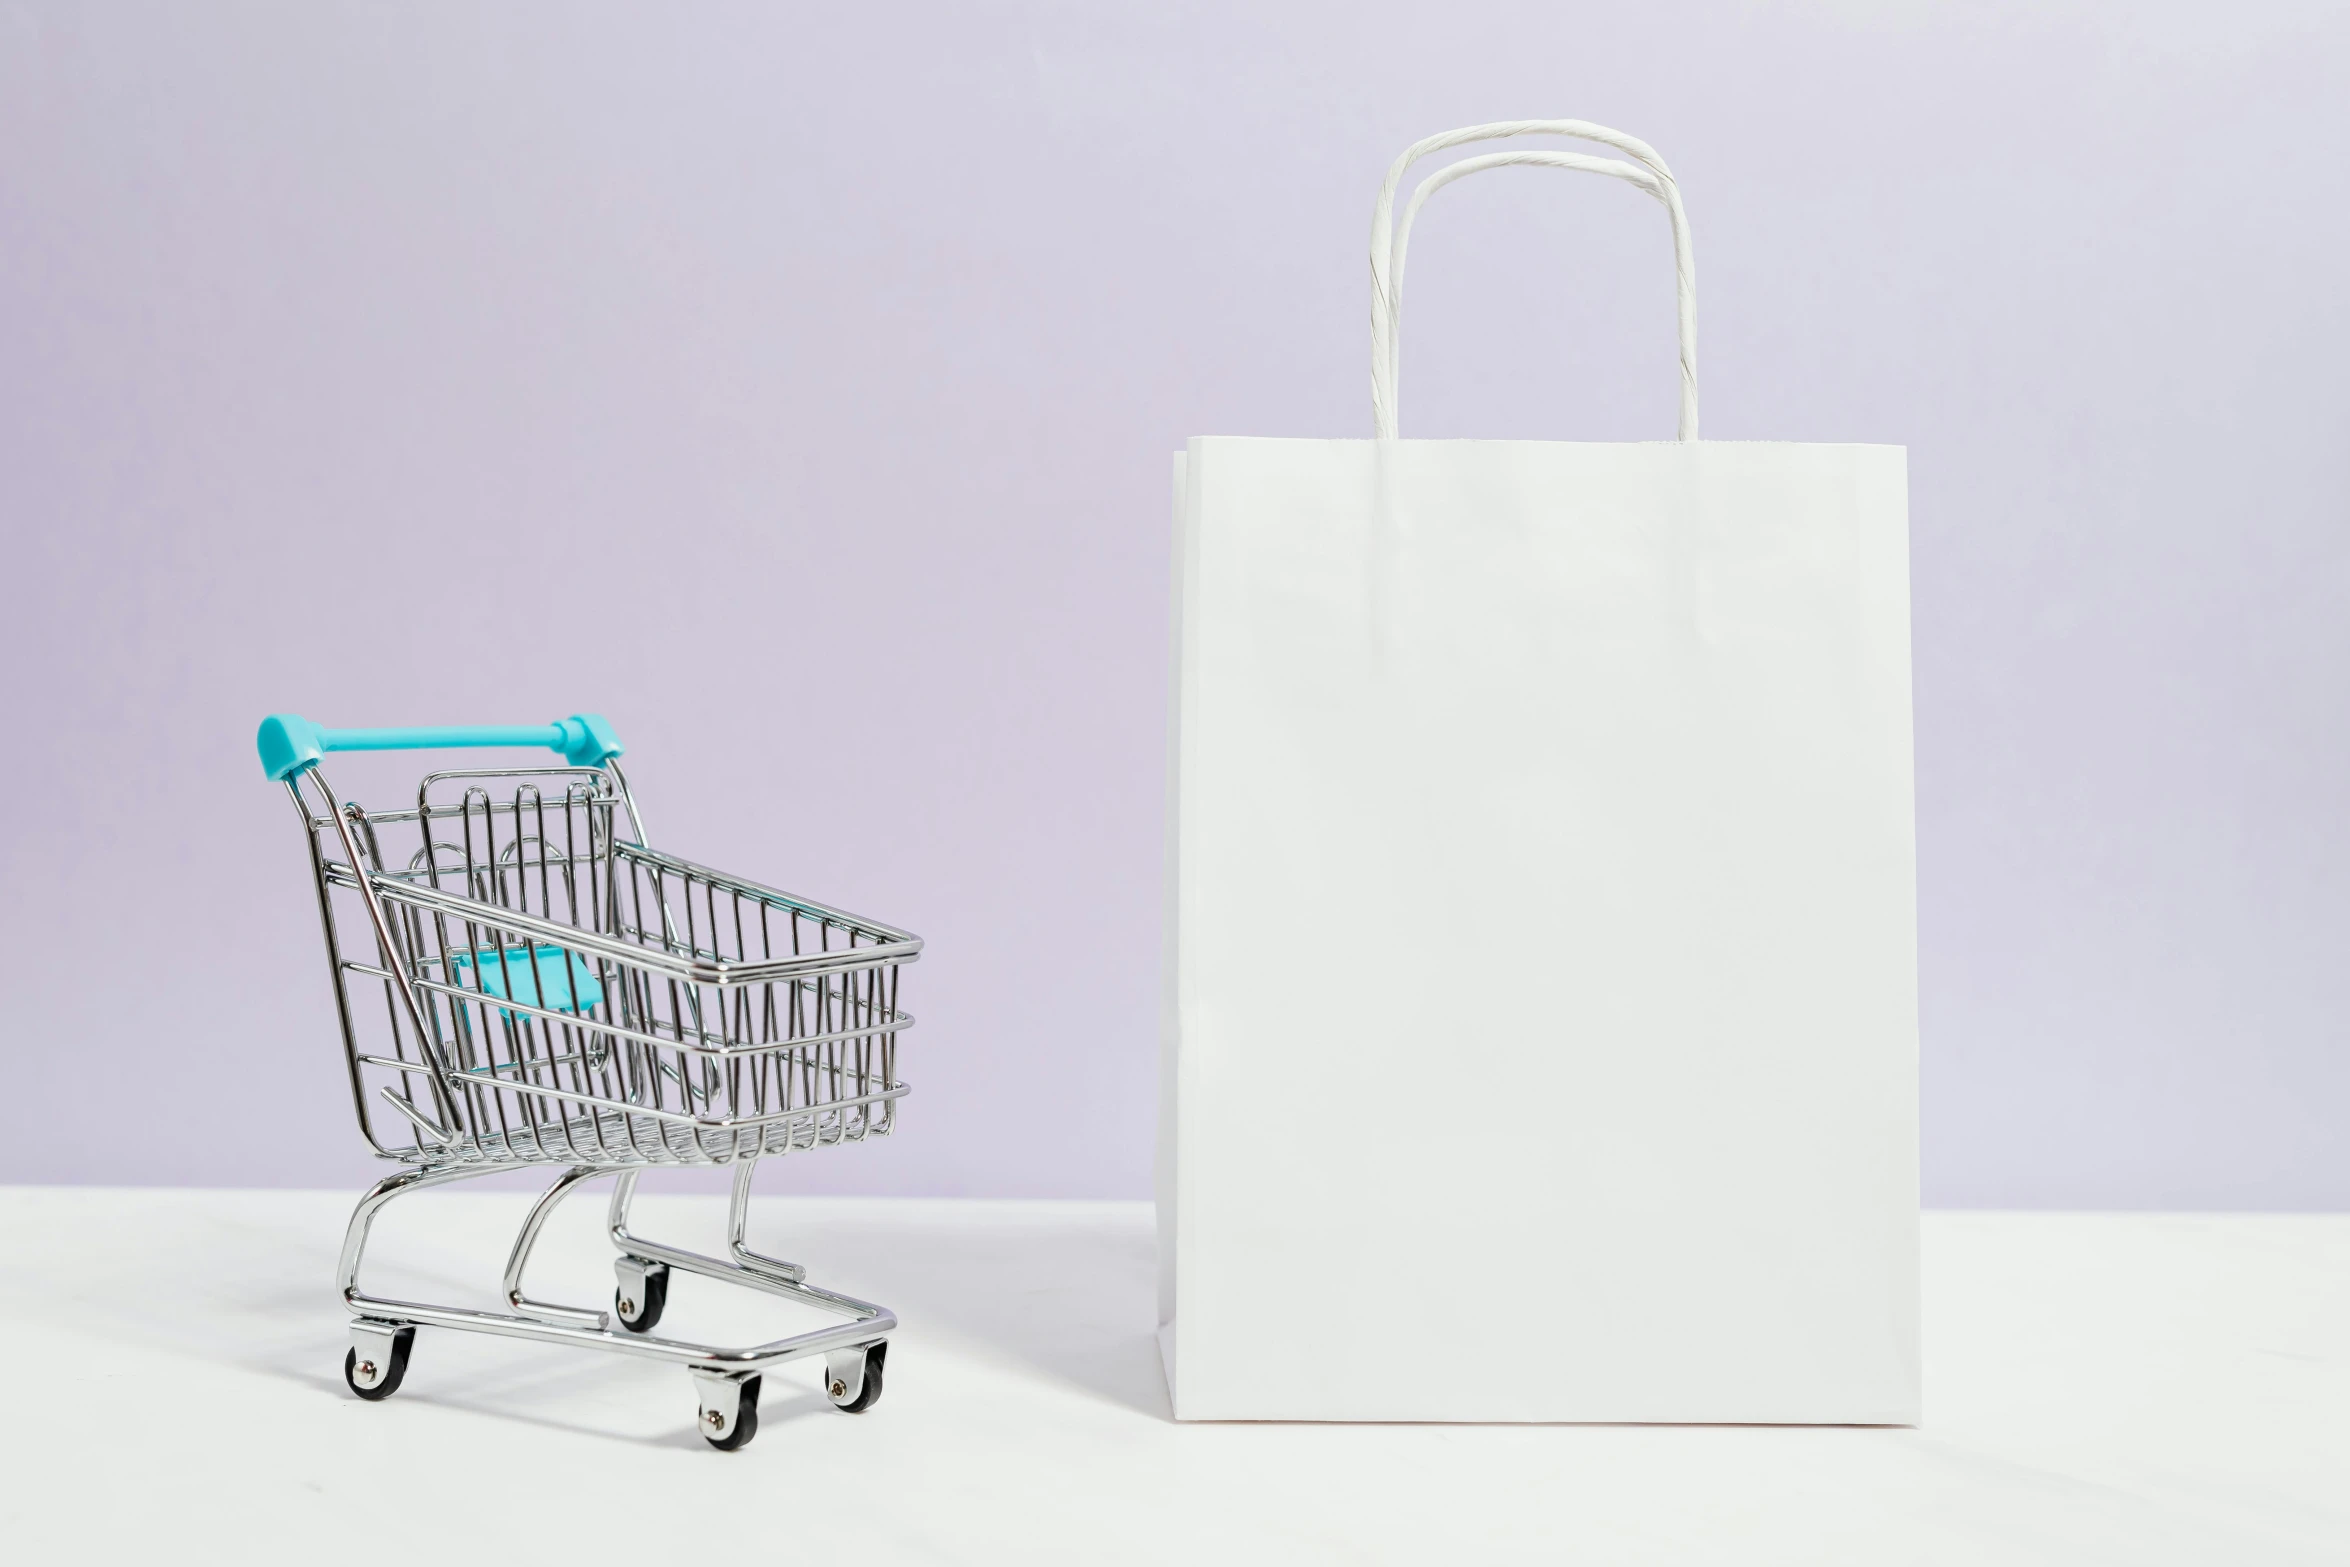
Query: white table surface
2127	1389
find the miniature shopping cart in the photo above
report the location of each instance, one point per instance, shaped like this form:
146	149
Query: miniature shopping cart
521	981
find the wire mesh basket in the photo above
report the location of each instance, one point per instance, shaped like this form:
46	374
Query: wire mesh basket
555	992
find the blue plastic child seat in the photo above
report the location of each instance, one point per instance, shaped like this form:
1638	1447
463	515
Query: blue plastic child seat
511	975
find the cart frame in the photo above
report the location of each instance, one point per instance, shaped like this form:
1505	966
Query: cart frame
596	982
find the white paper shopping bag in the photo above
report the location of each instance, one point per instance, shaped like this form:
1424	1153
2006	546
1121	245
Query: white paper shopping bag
1541	1023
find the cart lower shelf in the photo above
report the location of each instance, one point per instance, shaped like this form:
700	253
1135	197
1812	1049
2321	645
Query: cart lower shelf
726	1378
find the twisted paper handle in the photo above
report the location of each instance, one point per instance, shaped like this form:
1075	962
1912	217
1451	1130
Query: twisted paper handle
1391	242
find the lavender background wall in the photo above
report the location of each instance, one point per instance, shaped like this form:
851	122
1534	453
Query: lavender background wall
795	384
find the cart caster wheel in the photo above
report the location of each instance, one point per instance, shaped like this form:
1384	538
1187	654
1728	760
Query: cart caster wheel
836	1386
642	1295
377	1375
730	1415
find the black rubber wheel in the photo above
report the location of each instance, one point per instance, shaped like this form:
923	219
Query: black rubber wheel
656	1299
389	1383
746	1421
870	1394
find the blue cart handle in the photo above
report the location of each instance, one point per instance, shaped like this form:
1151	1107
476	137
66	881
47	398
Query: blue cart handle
289	744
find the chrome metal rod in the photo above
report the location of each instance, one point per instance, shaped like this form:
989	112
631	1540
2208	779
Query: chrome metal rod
869	1323
382	1192
444	1096
716	1357
898	1023
713	1267
738	1222
532	1223
716	1125
683	969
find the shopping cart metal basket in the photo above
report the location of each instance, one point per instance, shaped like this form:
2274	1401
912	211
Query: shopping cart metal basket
521	980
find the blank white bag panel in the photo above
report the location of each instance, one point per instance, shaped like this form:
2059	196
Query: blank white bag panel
1541	1037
